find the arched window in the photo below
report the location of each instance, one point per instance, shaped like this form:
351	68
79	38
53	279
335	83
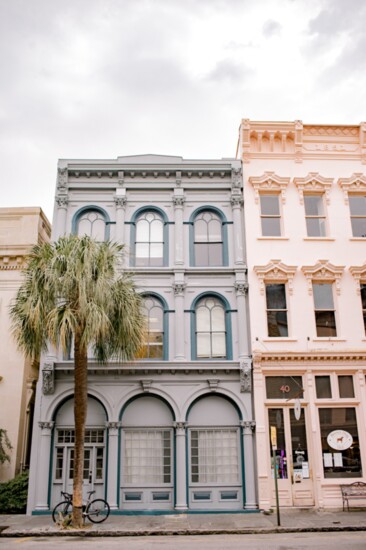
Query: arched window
211	329
150	239
91	221
155	345
208	236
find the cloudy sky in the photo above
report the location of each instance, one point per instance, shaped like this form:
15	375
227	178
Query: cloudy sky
106	78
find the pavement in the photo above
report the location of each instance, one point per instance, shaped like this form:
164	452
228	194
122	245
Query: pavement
292	521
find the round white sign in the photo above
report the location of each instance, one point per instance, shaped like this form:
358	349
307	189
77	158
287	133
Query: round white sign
297	409
340	440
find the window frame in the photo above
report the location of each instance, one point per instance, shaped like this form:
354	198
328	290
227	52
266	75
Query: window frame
224	237
91	208
137	214
356	216
316	217
271	216
165	309
268	311
325	310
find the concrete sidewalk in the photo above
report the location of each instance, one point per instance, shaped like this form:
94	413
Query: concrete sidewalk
190	524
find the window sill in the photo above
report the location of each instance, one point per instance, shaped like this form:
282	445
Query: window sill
328	339
272	238
279	339
318	239
358	239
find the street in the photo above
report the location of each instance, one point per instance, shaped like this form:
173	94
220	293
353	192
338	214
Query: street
286	541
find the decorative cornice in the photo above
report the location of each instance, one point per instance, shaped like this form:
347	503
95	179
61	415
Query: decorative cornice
262	358
269	182
275	271
323	271
359	274
11	263
355	184
313	182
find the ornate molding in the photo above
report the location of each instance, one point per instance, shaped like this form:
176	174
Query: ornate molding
314	182
354	184
113	425
146	385
241	289
323	271
272	360
213	384
62	178
48	379
359	275
275	271
248	426
10	263
236	178
62	201
120	202
269	182
179	200
46	425
178	289
180	427
236	201
245	375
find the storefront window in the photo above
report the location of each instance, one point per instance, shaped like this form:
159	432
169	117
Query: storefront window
300	459
339	440
284	387
275	417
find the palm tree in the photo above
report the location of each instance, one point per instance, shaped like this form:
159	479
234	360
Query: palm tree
72	292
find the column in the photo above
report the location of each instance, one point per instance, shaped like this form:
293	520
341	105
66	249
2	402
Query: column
181	466
250	496
43	465
178	201
60	229
179	321
112	465
236	202
241	289
120	201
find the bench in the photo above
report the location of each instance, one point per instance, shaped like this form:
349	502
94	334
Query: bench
353	491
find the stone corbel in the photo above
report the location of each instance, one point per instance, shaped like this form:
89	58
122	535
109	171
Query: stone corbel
146	385
241	288
120	202
245	375
213	384
179	200
62	201
178	289
48	379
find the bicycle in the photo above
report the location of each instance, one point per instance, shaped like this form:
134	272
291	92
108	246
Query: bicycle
96	510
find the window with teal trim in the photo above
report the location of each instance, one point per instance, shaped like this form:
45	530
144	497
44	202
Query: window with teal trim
208	239
92	223
153	347
210	328
149	240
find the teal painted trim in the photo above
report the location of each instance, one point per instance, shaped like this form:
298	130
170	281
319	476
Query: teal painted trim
209	393
139	396
170	512
50	468
41	512
90	207
160	212
175	467
106	465
188	464
119	467
68	397
166	310
224	222
242	466
228	329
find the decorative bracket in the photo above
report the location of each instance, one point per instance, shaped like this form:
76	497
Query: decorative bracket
48	379
245	375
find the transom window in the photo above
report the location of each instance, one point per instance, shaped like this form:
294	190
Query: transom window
324	309
149	242
276	310
214	456
153	347
208	239
92	223
147	456
270	215
314	215
357	205
210	328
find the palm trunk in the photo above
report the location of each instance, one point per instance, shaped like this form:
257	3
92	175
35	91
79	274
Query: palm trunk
80	411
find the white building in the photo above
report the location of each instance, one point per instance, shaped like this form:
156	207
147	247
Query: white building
172	430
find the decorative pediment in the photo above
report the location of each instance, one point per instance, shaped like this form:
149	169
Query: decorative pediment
355	184
269	182
275	272
359	275
313	182
323	271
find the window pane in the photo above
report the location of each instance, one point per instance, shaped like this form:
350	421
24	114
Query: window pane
313	205
156	251
203	319
325	323
201	254
358	227
277	323
98	230
156	231
147	457
284	387
215	254
357	204
346	386
323	296
203	345
323	387
275	418
298	441
270	205
214	456
200	231
315	227
276	296
219	345
142	254
142	231
218	318
271	227
214	229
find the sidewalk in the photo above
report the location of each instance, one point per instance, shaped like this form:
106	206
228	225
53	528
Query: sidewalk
185	524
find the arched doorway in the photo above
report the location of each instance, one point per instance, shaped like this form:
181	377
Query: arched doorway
94	472
215	463
147	473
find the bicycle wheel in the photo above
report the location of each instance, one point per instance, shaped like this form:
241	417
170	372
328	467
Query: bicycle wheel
98	510
61	510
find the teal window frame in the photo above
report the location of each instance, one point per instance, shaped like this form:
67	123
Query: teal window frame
91	208
224	223
164	217
166	312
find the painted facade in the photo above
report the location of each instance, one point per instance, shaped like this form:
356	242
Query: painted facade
172	430
305	217
20	229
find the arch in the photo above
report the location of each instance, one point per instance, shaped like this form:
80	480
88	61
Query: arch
91	208
165	234
224	240
228	330
165	327
216	396
222	392
70	396
142	395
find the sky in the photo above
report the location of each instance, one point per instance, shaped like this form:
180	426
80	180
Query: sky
107	78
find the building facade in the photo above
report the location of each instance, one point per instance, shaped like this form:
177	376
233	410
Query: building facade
305	216
172	430
20	229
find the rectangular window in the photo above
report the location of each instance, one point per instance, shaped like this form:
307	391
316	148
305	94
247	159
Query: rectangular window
276	310
315	216
59	463
214	456
363	299
323	387
340	445
345	384
324	309
284	387
147	457
357	205
275	417
270	215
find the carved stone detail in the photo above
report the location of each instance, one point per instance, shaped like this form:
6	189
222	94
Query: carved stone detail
314	183
178	289
62	201
359	274
241	289
248	426
113	425
120	202
62	177
146	385
179	200
46	425
275	271
269	182
236	201
180	427
356	183
48	379
178	177
245	375
213	384
236	179
323	271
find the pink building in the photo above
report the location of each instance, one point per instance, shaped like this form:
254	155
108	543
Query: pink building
305	216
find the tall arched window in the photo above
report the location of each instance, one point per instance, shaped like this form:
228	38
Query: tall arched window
91	221
208	237
211	329
155	345
149	241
